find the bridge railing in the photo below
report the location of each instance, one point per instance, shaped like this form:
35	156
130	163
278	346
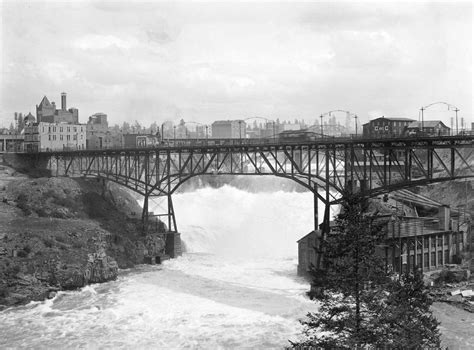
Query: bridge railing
277	141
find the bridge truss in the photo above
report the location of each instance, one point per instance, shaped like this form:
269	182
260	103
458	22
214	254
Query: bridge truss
326	167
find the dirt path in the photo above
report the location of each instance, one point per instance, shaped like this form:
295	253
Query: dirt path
457	326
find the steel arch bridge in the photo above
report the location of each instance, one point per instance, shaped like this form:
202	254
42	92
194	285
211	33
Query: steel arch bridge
326	167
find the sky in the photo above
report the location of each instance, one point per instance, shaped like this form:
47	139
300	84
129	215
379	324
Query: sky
206	61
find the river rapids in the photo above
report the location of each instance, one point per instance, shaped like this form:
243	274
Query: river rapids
236	287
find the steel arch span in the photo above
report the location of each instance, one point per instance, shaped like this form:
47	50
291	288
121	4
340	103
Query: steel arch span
326	167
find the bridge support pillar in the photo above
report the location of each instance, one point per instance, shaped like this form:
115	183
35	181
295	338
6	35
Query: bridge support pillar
173	244
145	215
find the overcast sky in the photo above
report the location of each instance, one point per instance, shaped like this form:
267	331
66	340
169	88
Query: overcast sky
160	61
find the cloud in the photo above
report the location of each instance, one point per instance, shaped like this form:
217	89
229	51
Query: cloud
98	42
160	37
58	72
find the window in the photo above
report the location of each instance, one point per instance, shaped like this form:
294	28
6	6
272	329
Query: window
74	137
61	137
433	241
54	137
49	137
61	129
426	242
68	137
426	262
446	256
440	258
433	259
75	129
440	240
68	129
54	129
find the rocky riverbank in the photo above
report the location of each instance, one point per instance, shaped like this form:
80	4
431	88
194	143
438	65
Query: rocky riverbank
63	233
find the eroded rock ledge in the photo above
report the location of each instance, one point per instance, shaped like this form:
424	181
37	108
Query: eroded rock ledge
62	234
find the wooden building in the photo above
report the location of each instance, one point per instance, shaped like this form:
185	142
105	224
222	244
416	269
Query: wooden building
412	241
428	128
386	127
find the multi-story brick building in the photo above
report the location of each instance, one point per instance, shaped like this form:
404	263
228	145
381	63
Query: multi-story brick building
54	129
54	137
386	127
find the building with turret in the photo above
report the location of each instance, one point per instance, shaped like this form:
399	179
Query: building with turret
47	112
54	129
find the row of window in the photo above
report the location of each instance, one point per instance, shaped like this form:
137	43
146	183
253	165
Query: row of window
61	129
396	124
436	241
433	260
61	137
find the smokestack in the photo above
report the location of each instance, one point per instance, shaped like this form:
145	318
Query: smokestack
63	101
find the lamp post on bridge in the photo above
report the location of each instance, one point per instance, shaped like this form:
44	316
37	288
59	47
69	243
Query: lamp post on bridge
267	121
450	107
329	114
240	131
355	119
163	132
321	124
198	123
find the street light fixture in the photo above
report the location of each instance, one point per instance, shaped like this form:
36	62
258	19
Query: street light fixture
450	106
267	121
355	119
329	114
197	123
240	131
163	132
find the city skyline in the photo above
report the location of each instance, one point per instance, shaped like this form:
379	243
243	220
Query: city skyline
158	61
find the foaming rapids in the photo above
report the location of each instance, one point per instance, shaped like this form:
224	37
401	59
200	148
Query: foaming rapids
228	221
236	287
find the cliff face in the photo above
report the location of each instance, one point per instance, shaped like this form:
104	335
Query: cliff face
62	233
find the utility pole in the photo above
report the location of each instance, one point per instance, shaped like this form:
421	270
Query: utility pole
355	118
422	120
456	111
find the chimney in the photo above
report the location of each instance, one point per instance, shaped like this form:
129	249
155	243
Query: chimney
63	101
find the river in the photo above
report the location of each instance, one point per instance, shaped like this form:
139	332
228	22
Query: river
236	287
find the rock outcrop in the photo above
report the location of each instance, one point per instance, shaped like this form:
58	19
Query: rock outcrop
63	233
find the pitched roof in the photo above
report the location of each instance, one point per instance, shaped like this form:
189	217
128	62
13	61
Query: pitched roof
397	119
318	234
426	124
29	117
45	102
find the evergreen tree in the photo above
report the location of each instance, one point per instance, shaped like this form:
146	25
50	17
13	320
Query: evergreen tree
361	304
406	316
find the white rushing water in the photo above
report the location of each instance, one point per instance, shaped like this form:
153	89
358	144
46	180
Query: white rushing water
235	288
